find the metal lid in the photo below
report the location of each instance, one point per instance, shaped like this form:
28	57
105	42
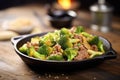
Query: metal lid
101	6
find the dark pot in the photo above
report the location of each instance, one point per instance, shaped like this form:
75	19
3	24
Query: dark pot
60	18
37	64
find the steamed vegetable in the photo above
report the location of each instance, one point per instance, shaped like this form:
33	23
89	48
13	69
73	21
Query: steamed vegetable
35	39
79	29
65	31
23	48
100	46
70	53
86	34
94	40
48	39
32	52
56	57
64	45
45	50
64	41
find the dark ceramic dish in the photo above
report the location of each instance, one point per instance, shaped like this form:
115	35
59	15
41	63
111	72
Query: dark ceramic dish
60	18
60	65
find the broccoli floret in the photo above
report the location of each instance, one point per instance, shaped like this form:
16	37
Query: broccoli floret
56	35
65	31
100	46
94	53
64	41
94	40
24	48
70	53
45	50
32	52
57	57
35	40
49	39
79	29
74	40
87	35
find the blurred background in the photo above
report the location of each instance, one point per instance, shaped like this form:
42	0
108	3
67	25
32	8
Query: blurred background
84	4
18	17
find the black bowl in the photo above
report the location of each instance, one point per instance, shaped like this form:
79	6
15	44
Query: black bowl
60	18
60	65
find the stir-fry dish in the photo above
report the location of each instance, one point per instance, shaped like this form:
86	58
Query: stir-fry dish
64	45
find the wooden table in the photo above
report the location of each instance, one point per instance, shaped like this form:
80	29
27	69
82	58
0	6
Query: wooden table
13	68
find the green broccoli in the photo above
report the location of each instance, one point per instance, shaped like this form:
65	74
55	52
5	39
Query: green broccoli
48	39
94	40
24	48
87	35
79	29
57	57
64	41
65	31
32	52
45	50
100	46
74	40
70	53
56	35
35	39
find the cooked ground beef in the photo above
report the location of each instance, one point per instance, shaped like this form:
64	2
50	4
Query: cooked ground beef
77	36
57	49
82	53
94	47
35	45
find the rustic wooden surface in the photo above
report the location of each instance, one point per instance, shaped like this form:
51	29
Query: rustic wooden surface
13	68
